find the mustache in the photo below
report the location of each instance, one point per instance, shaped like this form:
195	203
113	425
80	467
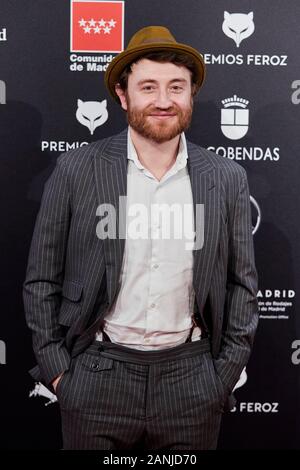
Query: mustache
155	110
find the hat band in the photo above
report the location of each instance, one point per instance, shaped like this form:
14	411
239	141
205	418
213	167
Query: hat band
164	40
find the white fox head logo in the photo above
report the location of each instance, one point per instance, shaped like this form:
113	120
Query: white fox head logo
238	26
42	391
242	380
92	114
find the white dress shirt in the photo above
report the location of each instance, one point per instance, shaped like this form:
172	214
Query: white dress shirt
154	306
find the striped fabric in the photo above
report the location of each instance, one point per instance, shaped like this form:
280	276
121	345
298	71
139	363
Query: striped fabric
73	276
111	399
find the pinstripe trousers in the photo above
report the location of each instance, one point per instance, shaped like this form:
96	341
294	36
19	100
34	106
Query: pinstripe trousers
115	397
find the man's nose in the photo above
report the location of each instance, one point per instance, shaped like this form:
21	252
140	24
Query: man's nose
163	99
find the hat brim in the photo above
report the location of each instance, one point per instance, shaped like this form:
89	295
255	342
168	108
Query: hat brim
126	57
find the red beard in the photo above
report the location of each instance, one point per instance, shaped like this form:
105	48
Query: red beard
159	130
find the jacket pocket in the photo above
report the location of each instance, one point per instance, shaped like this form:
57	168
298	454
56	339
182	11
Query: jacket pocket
219	386
221	391
96	364
72	291
70	306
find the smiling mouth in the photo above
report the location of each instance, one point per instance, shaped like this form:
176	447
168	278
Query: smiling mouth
162	116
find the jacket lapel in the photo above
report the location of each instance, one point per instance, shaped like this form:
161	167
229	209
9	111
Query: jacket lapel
111	183
205	188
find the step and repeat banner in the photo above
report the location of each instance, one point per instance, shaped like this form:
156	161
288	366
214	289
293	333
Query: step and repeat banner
53	54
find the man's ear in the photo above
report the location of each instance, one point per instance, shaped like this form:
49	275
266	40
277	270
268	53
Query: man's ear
122	96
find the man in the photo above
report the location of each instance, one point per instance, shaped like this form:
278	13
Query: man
144	336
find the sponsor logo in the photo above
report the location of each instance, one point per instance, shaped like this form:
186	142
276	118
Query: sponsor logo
90	63
60	145
256	215
250	59
256	407
254	154
295	358
91	114
3	35
42	391
275	304
2	92
234	126
234	117
295	98
253	407
97	27
2	352
238	26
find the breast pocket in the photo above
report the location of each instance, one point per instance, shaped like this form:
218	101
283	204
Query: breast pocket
71	302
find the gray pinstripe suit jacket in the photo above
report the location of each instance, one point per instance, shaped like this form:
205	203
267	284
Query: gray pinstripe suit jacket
73	276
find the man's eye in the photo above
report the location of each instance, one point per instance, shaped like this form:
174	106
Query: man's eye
147	88
176	88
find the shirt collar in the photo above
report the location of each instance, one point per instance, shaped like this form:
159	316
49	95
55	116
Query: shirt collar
181	158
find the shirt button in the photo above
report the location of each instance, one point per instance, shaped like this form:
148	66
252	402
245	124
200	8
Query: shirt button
147	340
155	266
152	305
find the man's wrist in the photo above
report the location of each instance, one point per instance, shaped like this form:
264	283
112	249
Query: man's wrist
54	383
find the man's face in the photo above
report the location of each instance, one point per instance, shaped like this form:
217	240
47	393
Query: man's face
158	99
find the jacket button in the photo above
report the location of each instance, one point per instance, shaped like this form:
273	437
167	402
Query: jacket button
95	366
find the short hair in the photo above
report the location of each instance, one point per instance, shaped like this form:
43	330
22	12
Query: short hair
176	58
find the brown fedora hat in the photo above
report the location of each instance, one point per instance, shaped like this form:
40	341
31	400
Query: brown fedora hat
150	39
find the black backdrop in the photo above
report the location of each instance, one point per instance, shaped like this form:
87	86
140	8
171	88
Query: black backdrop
43	74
